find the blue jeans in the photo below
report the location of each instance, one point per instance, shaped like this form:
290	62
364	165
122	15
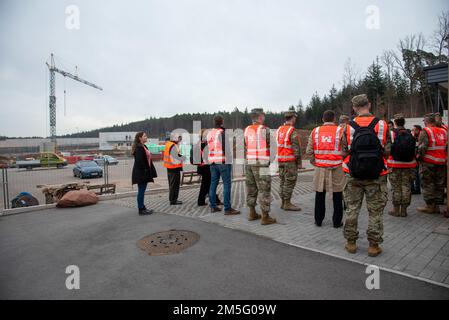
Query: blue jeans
140	195
225	171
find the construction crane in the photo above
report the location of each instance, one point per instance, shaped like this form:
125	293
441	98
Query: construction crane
52	68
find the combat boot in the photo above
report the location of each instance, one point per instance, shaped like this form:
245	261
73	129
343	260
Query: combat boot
253	215
403	211
266	219
374	250
288	206
429	209
395	212
351	247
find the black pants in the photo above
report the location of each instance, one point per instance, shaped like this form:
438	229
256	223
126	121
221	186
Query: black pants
204	188
320	207
174	182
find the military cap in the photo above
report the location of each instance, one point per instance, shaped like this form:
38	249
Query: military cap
398	116
360	100
289	114
257	111
343	119
430	117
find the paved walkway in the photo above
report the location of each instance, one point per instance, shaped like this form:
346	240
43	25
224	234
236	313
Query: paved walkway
417	245
36	248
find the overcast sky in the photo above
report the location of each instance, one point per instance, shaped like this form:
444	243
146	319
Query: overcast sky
159	58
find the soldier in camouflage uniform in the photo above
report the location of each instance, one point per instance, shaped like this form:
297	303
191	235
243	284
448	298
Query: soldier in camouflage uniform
355	189
401	175
433	176
257	170
288	170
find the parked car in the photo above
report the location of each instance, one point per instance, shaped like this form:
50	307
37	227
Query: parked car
45	159
109	160
87	169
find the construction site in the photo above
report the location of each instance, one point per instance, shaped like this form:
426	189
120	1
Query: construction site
214	155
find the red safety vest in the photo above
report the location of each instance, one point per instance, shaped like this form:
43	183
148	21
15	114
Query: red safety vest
326	146
256	143
169	161
284	142
436	152
391	163
380	129
215	146
444	126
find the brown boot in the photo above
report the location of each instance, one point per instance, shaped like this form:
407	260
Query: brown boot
351	247
403	211
374	250
266	219
429	209
395	212
288	206
253	215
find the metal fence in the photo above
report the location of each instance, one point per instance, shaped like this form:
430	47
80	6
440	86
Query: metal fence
15	181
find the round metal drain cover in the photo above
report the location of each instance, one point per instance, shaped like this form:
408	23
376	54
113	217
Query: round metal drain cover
167	242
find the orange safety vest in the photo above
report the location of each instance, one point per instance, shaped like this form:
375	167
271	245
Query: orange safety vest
215	146
380	129
436	152
256	143
391	163
326	146
169	161
284	141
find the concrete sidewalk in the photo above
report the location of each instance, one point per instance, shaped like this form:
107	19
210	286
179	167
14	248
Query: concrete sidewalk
36	248
417	245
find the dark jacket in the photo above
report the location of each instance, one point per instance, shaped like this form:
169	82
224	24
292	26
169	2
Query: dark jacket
204	168
142	172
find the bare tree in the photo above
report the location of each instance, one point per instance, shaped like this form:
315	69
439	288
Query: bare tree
409	63
351	74
439	36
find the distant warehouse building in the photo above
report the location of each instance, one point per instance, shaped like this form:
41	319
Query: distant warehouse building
116	140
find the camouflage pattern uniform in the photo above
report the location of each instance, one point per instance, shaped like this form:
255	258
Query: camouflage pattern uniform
288	171
433	176
401	180
376	198
401	185
258	179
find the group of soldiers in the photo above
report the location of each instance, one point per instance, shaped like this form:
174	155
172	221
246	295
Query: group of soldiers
339	168
330	149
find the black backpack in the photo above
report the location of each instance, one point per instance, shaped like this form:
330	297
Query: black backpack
403	147
366	154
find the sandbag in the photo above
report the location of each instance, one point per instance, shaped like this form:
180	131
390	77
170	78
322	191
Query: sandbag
77	198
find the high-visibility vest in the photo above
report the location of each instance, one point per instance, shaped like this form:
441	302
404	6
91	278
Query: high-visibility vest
326	146
436	152
391	163
284	142
380	129
256	143
215	146
444	126
169	161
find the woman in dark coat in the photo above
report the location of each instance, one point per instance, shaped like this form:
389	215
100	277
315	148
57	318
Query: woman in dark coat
143	170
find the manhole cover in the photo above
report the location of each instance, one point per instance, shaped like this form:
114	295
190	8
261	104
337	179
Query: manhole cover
167	242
